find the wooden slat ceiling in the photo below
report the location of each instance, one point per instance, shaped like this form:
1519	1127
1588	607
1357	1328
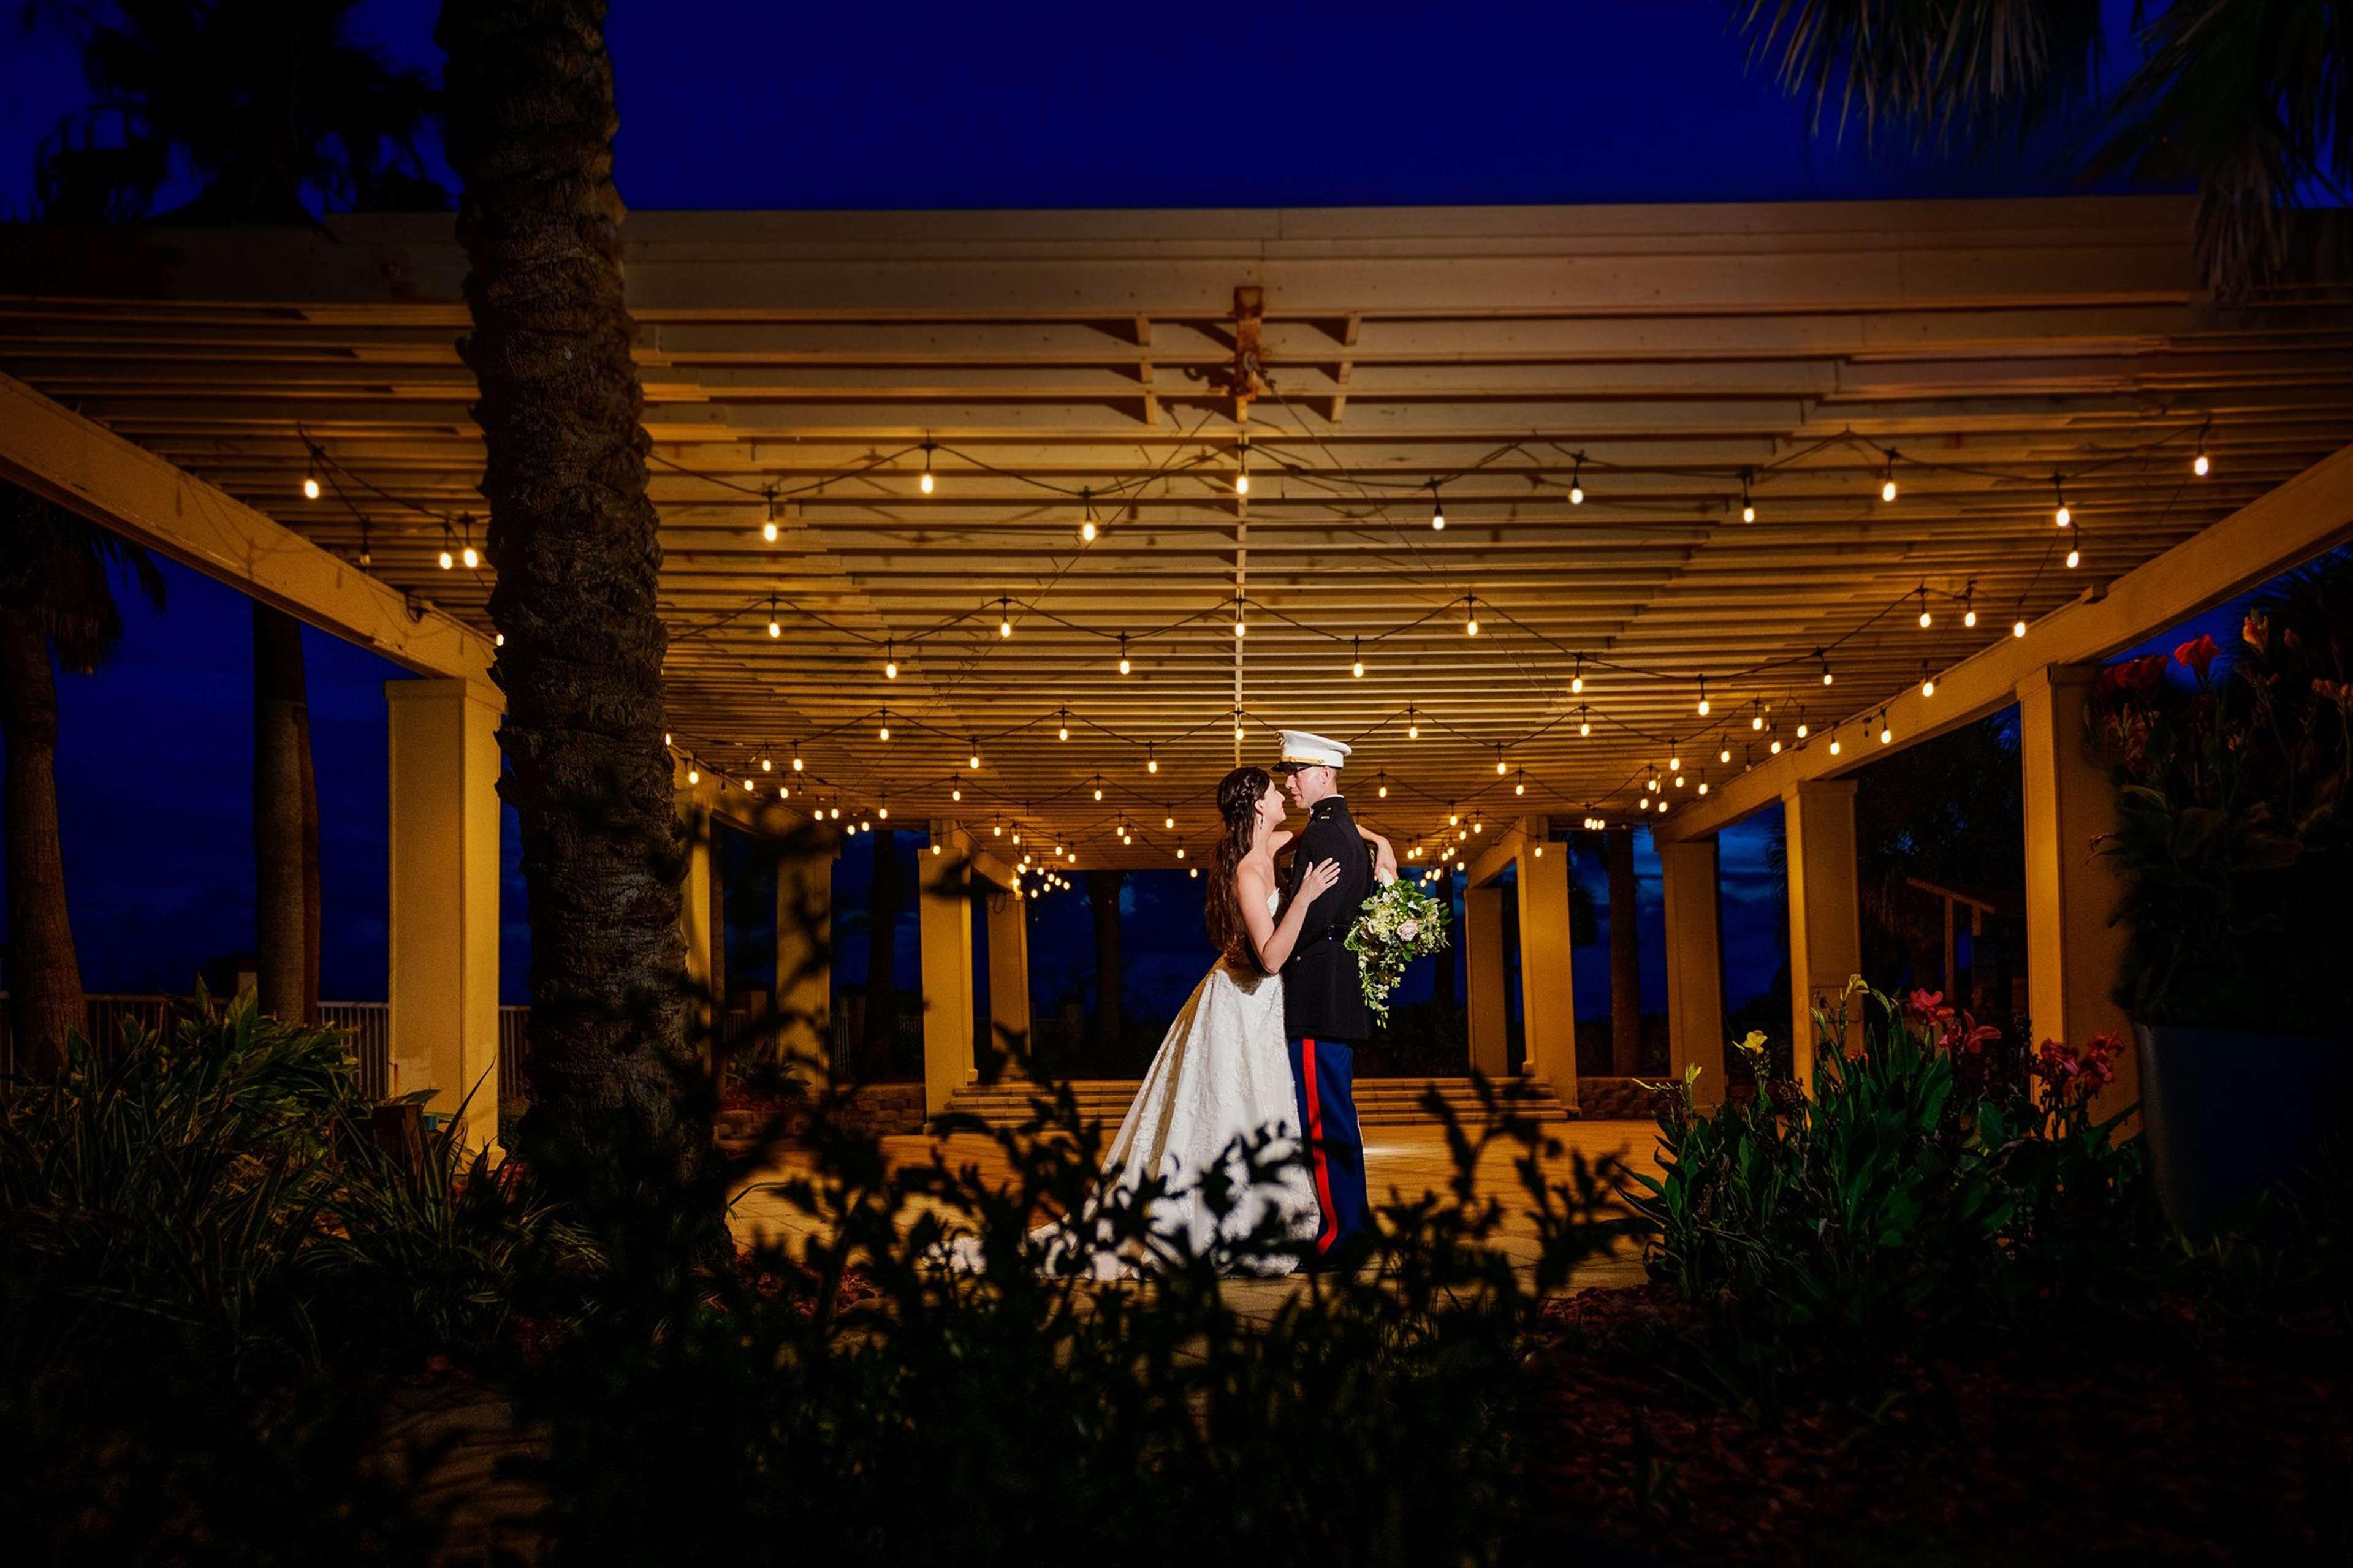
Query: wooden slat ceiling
1046	353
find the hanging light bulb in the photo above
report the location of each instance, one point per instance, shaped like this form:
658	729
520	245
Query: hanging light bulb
973	759
448	560
693	773
1886	734
1834	745
1170	822
1384	790
767	766
2018	627
1927	685
1358	668
1747	502
956	793
1099	789
891	659
747	787
1675	762
1777	745
924	480
2074	559
1577	680
1413	730
1237	723
1703	697
1702	786
1150	763
1240	608
796	759
1577	482
1723	755
1087	520
1583	720
768	528
2063	517
1969	609
367	555
1804	729
884	732
776	630
1925	618
1241	468
1123	665
1887	483
1005	615
1437	509
310	477
1062	730
1471	614
1499	761
1757	720
2199	465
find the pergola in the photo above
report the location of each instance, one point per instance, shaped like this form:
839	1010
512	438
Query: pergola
1661	439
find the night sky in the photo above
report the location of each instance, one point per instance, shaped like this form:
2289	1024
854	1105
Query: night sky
760	105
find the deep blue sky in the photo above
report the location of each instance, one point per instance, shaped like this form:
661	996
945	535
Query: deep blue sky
745	105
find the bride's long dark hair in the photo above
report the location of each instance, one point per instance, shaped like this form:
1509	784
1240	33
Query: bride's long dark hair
1238	793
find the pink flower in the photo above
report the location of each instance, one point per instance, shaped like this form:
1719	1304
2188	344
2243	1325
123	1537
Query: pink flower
1408	929
2199	654
1926	1007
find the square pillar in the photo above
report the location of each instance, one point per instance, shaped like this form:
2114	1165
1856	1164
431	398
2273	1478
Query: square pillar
443	986
1482	938
698	902
1547	981
2073	953
1825	913
1694	966
946	895
805	952
1008	969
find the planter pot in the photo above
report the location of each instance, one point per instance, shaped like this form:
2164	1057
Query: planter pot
2228	1115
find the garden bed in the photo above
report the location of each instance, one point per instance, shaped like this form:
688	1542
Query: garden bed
2147	1439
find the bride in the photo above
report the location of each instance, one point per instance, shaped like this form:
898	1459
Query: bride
1221	1081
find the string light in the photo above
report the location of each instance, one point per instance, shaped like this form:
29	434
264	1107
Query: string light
1062	730
1241	468
1499	761
1150	763
2074	559
767	765
693	773
1724	754
1887	484
1358	668
1927	685
1777	745
1384	790
1413	730
2018	627
1584	719
1241	606
1124	665
1703	696
1747	503
1005	615
1757	720
1970	608
924	480
367	556
1576	481
311	477
776	630
1702	786
1834	745
469	555
1169	822
890	658
448	560
974	761
2063	517
1827	677
498	639
1087	521
1804	729
768	528
2200	465
1471	614
796	759
1925	618
884	733
1577	680
1886	734
1437	509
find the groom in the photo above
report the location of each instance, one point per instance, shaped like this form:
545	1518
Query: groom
1324	1011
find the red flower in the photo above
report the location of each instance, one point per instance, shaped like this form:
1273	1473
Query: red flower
2199	654
2255	631
2143	674
1926	1007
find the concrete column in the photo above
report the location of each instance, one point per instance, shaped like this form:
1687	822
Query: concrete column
2073	953
946	917
696	902
1825	913
1548	982
443	1024
1694	966
1483	937
1008	970
804	951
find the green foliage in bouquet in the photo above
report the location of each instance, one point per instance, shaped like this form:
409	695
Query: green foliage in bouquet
1399	924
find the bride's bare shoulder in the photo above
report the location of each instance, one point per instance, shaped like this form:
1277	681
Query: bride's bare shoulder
1282	836
1252	876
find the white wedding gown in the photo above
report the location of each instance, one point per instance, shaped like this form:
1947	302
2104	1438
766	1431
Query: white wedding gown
1220	1082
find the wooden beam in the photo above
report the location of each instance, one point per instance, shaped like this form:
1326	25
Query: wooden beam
54	452
2284	528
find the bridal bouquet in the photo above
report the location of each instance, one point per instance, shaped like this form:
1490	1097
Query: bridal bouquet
1399	924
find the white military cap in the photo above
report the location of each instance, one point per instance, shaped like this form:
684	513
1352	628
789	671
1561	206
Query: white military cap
1303	749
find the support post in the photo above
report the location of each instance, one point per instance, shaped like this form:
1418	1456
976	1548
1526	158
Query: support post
697	901
805	954
2073	953
1548	982
443	985
1008	970
946	920
1694	966
1825	912
1483	937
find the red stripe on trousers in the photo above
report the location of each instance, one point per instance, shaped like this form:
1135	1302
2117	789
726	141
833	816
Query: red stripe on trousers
1315	1145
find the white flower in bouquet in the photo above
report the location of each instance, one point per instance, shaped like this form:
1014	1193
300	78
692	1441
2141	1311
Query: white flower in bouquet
1397	925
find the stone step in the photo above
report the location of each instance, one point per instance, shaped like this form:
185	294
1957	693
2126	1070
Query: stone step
1380	1102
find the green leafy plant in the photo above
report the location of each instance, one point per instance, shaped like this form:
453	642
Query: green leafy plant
2234	817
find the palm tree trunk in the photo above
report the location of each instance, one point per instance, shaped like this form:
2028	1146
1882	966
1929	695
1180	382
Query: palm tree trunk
575	540
1102	898
45	1002
1625	956
285	824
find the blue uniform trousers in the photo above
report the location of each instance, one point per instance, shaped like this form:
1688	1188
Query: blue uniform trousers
1323	1075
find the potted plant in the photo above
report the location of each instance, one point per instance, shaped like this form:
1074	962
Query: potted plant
2234	836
